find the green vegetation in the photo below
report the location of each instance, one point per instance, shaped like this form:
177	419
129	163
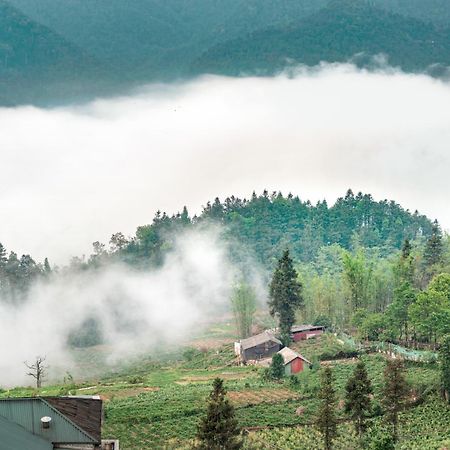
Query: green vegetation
277	367
285	295
445	367
366	274
357	402
243	302
395	393
326	419
218	430
161	406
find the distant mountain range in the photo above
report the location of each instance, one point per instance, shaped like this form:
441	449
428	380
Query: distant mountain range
339	32
56	50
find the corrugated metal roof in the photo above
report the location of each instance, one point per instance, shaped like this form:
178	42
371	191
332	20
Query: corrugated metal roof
14	437
300	328
289	355
258	339
27	413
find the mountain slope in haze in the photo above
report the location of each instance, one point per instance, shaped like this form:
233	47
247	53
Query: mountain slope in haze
334	34
138	41
150	39
34	59
436	12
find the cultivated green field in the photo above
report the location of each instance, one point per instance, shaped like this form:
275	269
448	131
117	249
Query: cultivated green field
154	404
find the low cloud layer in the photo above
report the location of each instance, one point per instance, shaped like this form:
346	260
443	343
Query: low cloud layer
74	175
135	311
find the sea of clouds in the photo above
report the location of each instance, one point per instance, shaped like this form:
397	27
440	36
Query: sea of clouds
77	174
73	175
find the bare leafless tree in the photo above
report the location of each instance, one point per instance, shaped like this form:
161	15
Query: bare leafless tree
38	370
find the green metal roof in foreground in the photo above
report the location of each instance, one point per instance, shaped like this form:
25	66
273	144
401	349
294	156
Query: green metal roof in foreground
27	413
14	437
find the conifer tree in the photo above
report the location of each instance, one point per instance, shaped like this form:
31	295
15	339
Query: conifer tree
434	248
395	391
358	403
277	367
219	430
326	418
285	295
444	356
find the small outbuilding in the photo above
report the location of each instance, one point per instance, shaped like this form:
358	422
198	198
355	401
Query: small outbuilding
303	332
293	361
257	347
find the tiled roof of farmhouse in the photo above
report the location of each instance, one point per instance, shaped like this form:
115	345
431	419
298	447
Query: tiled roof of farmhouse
259	339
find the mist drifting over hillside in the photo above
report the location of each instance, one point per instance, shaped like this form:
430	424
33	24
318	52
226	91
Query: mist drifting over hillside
135	311
81	173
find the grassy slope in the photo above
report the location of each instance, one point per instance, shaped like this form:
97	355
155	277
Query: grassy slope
158	404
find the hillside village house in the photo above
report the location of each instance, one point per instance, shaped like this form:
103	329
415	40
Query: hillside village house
257	347
47	423
293	361
302	332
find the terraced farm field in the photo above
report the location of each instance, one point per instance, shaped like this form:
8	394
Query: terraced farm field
158	405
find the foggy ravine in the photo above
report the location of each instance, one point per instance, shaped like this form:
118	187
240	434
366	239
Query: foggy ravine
137	311
81	173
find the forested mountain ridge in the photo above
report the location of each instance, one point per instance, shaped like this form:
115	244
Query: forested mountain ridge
155	39
336	33
260	227
267	224
141	41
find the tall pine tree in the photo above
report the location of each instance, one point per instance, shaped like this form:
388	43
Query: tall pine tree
326	418
219	430
285	295
395	391
358	403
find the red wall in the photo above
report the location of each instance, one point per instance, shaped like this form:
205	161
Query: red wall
297	365
302	335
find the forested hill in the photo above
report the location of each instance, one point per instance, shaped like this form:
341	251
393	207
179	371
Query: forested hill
261	227
337	33
267	224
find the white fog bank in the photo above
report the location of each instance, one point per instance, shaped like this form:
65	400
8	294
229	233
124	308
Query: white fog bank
70	176
137	312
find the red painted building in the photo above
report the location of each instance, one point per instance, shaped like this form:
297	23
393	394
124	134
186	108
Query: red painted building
302	332
293	361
